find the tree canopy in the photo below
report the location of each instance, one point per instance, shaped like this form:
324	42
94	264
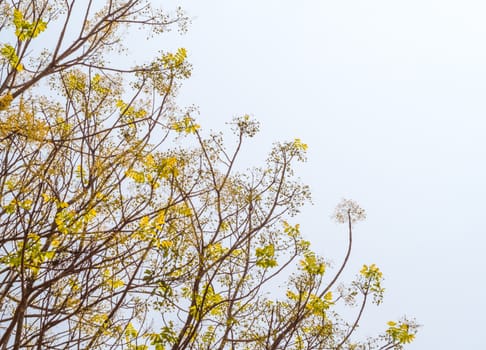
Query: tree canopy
123	225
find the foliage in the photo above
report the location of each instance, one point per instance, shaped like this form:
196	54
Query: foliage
123	225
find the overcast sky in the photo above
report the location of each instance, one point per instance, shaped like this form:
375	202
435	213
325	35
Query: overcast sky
390	97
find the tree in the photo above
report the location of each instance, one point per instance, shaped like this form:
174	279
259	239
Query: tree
123	225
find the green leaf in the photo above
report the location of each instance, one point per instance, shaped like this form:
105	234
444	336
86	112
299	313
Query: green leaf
8	52
25	30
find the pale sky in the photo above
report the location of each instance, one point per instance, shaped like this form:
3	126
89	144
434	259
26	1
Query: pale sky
390	97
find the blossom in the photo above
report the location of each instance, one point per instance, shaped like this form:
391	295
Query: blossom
348	210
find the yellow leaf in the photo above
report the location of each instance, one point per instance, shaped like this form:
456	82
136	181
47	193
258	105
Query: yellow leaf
144	222
5	101
55	243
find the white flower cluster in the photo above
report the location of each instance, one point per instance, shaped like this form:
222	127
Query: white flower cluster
348	210
245	125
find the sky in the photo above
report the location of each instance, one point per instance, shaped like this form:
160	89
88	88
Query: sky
389	96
